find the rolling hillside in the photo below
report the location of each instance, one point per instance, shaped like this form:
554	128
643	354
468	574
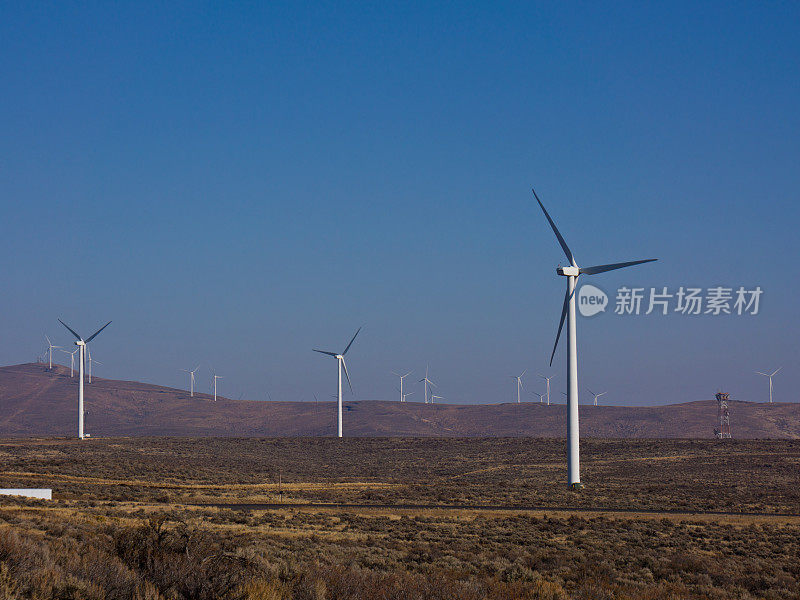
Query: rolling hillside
38	402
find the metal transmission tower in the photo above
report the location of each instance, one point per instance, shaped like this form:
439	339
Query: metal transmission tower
723	417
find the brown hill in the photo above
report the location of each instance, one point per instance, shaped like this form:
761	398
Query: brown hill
37	402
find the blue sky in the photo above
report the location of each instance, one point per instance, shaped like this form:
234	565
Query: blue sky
234	185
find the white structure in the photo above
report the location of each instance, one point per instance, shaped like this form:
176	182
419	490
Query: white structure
405	396
91	360
81	344
50	352
191	379
71	360
539	395
402	395
434	398
596	396
215	385
427	381
548	386
42	493
339	364
519	383
770	376
572	272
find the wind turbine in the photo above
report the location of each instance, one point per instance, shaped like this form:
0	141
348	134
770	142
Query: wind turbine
191	379
215	385
427	381
548	386
81	344
539	395
596	396
50	347
402	396
572	272
519	382
406	395
434	396
770	376
341	363
71	360
90	361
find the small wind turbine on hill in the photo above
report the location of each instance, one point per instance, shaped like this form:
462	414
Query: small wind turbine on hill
434	397
402	377
50	347
340	363
191	379
81	343
406	395
427	381
519	383
596	396
770	376
548	386
215	385
71	360
537	394
572	272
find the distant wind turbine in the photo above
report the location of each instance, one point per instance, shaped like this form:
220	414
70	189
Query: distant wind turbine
540	396
770	376
340	362
81	343
90	361
427	381
71	360
402	396
50	347
434	397
572	272
596	396
519	383
547	379
191	379
406	395
215	385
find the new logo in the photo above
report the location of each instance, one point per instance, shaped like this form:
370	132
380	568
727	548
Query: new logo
591	300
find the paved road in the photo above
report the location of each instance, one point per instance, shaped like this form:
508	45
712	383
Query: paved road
498	508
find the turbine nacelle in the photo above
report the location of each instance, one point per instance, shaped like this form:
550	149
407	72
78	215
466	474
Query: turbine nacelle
569	271
80	343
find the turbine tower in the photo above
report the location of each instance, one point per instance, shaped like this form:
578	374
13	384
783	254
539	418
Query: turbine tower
340	362
50	347
572	272
427	381
215	385
596	396
71	360
548	386
191	379
770	376
81	344
519	383
402	395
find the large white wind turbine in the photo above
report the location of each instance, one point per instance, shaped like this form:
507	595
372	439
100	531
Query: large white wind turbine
427	381
81	344
50	347
572	272
340	362
770	376
548	386
191	379
596	396
402	395
519	383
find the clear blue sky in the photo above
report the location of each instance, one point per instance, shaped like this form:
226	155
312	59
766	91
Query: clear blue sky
235	184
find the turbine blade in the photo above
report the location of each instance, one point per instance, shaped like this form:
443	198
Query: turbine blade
324	352
79	338
603	268
95	334
775	371
560	324
407	374
523	373
760	373
351	342
561	241
346	374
